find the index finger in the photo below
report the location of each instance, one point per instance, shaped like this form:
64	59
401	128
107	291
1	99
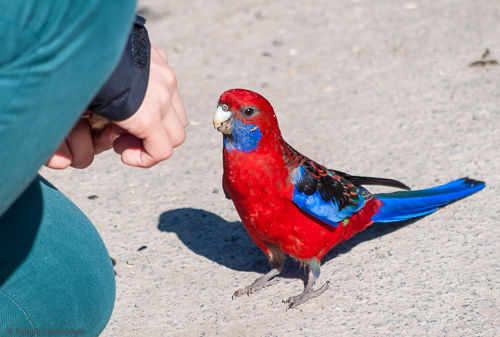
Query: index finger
179	107
155	147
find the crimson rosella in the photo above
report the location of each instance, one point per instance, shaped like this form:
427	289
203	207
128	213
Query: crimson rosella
290	204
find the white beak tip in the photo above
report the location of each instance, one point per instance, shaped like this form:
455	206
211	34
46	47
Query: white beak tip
221	116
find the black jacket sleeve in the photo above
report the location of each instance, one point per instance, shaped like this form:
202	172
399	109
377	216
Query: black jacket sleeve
124	90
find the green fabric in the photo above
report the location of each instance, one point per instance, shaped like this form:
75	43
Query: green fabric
54	57
55	272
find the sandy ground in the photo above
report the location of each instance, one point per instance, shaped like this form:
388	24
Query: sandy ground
378	88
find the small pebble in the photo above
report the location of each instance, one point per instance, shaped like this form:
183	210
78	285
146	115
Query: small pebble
328	88
92	197
410	5
142	248
179	48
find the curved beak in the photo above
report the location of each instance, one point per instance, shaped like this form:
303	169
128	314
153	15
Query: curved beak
222	120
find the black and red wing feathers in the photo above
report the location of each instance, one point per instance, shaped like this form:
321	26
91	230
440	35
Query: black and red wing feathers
332	184
327	183
361	180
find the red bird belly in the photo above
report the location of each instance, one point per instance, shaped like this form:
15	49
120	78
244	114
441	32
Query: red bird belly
260	187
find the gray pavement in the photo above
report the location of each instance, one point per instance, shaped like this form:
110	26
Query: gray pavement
379	88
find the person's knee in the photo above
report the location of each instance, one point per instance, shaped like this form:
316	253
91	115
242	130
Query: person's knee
65	279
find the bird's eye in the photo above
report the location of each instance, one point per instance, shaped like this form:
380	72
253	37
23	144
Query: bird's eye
224	107
248	111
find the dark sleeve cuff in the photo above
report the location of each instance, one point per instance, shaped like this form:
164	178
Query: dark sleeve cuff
124	90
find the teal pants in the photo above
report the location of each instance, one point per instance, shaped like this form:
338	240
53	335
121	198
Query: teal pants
55	273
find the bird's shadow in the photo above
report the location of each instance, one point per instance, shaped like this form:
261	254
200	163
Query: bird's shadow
228	244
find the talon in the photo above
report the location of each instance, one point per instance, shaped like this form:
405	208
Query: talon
306	295
238	293
260	283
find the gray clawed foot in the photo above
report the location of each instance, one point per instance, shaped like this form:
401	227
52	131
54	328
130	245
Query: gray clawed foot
306	295
276	260
259	283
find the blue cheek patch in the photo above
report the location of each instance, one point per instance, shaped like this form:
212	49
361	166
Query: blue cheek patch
245	137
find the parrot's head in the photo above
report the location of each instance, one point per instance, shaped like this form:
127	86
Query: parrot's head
245	118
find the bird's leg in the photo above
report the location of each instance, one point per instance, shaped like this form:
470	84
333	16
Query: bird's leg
308	293
276	259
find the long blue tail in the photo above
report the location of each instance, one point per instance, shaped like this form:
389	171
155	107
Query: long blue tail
404	205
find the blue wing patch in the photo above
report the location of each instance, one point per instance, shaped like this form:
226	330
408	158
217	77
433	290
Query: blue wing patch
324	208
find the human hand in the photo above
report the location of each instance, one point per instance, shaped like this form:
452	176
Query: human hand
145	138
81	145
151	133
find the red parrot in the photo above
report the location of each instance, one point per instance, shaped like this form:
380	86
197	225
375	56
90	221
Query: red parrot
291	205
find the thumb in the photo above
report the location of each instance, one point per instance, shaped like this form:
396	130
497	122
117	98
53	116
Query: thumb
61	159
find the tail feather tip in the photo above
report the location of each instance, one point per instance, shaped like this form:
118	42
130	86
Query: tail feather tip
409	204
473	182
